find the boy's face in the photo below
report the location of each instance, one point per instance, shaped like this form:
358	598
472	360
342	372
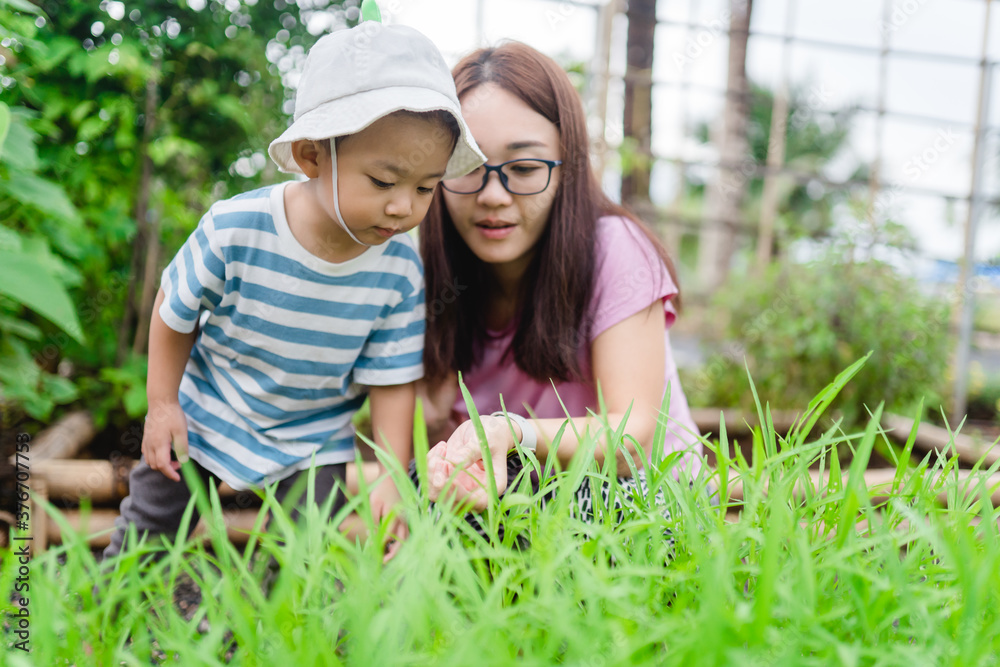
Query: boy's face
386	176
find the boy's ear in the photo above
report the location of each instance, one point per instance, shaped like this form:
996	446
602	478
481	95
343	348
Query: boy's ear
307	154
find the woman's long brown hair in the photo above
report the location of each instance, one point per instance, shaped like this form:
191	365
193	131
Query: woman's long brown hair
556	289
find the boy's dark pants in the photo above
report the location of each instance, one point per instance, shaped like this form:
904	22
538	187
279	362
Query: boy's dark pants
156	504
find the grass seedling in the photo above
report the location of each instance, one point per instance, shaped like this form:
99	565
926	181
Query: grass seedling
779	567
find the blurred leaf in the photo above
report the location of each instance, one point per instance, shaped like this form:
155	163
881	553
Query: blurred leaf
40	194
15	327
231	107
92	127
38	250
58	389
19	148
4	125
24	383
24	281
54	53
163	150
21	6
10	239
135	400
80	111
799	324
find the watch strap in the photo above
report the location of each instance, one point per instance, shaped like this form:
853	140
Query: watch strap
529	436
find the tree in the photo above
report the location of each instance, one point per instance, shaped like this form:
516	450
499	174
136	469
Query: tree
638	105
805	207
142	116
726	194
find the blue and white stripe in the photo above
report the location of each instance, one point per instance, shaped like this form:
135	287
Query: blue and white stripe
287	341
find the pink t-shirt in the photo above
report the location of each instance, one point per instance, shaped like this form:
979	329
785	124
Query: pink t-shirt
629	277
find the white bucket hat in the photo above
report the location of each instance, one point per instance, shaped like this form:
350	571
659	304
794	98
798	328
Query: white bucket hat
354	77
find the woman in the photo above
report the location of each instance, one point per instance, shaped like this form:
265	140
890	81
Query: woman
541	290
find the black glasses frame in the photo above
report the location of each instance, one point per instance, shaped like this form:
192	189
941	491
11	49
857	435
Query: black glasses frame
551	164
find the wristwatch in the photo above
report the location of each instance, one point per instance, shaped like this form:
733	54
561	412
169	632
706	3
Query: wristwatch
529	436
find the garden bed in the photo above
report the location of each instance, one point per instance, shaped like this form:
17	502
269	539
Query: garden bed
810	569
100	485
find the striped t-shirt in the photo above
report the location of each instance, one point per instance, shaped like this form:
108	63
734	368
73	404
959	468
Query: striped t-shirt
287	340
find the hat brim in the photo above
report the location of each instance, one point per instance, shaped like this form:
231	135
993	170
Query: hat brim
351	114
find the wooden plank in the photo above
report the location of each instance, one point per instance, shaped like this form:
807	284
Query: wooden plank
71	480
878	481
64	439
931	438
100	522
95	479
106	482
739	421
39	518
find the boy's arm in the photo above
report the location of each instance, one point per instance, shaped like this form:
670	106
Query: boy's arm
392	425
438	399
166	424
392	419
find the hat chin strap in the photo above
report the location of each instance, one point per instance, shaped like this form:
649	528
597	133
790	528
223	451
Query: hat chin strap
336	198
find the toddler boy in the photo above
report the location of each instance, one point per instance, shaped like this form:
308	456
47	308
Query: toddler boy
291	303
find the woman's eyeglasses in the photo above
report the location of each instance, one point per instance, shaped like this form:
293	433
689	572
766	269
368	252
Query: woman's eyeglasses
528	176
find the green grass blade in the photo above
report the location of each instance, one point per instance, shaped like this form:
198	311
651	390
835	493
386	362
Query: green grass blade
483	445
822	400
420	448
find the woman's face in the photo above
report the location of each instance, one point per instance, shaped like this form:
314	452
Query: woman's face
499	227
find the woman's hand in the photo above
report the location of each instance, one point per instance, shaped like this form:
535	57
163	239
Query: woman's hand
456	470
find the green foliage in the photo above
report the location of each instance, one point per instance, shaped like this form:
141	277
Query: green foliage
813	138
116	389
799	323
811	571
984	395
90	90
32	277
27	385
987	313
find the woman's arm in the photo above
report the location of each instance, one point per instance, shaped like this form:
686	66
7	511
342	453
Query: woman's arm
392	419
628	362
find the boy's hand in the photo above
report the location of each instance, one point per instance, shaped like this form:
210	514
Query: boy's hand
166	425
383	499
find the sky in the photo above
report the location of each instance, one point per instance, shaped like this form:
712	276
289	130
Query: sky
932	156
